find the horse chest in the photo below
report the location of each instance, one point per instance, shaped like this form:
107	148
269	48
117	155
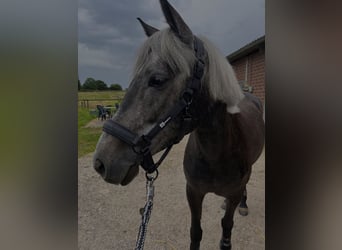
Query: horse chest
214	176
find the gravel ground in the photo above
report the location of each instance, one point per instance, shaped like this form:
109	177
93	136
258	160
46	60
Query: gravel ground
109	215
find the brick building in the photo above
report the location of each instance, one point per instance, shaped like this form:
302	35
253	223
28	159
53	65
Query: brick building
249	66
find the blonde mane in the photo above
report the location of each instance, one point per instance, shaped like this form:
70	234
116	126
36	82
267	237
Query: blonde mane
221	80
219	76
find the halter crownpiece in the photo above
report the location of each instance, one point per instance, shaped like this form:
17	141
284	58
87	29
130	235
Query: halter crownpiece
141	144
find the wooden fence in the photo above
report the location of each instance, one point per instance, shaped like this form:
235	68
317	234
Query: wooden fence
91	103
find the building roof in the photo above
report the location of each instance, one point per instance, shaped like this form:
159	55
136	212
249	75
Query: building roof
247	49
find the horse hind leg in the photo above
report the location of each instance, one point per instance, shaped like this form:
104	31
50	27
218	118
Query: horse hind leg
195	201
243	208
227	222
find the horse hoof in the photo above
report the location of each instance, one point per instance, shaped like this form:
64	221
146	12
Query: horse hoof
243	211
225	245
195	246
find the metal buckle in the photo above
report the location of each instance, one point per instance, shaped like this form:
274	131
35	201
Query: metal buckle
141	147
152	176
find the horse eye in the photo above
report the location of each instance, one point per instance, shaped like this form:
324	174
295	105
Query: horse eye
156	82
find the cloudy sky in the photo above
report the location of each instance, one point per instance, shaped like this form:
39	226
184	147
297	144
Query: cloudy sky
109	34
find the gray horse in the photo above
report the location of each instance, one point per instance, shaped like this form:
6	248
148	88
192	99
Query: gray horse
226	139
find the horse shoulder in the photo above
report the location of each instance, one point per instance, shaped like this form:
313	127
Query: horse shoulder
249	126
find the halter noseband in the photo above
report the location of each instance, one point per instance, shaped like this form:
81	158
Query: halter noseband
141	144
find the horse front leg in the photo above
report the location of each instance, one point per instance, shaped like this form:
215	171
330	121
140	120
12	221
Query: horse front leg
227	222
195	200
243	208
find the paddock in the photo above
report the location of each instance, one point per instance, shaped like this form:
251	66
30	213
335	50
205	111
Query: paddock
108	215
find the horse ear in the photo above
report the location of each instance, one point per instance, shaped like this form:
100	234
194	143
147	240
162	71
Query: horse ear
149	30
176	23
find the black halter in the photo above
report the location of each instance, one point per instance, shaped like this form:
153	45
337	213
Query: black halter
141	144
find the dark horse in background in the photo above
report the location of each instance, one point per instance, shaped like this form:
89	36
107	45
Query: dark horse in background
226	138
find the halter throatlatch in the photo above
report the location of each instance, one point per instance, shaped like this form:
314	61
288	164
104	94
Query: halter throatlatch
141	144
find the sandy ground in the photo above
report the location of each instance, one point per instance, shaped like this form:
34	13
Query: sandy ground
109	215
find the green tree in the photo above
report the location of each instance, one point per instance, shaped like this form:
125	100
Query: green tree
115	86
89	84
101	85
79	85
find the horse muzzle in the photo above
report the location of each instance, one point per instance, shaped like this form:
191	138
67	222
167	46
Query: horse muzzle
106	173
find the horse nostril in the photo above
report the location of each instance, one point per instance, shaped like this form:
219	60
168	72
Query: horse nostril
99	167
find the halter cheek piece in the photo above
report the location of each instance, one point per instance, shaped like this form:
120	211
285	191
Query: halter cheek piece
141	144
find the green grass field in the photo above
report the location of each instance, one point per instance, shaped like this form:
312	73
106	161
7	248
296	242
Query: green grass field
88	137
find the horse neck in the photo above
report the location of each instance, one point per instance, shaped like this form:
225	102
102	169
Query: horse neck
215	134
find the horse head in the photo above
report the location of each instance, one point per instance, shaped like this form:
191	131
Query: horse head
164	64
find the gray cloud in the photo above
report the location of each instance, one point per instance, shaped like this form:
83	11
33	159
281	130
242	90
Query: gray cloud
109	34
